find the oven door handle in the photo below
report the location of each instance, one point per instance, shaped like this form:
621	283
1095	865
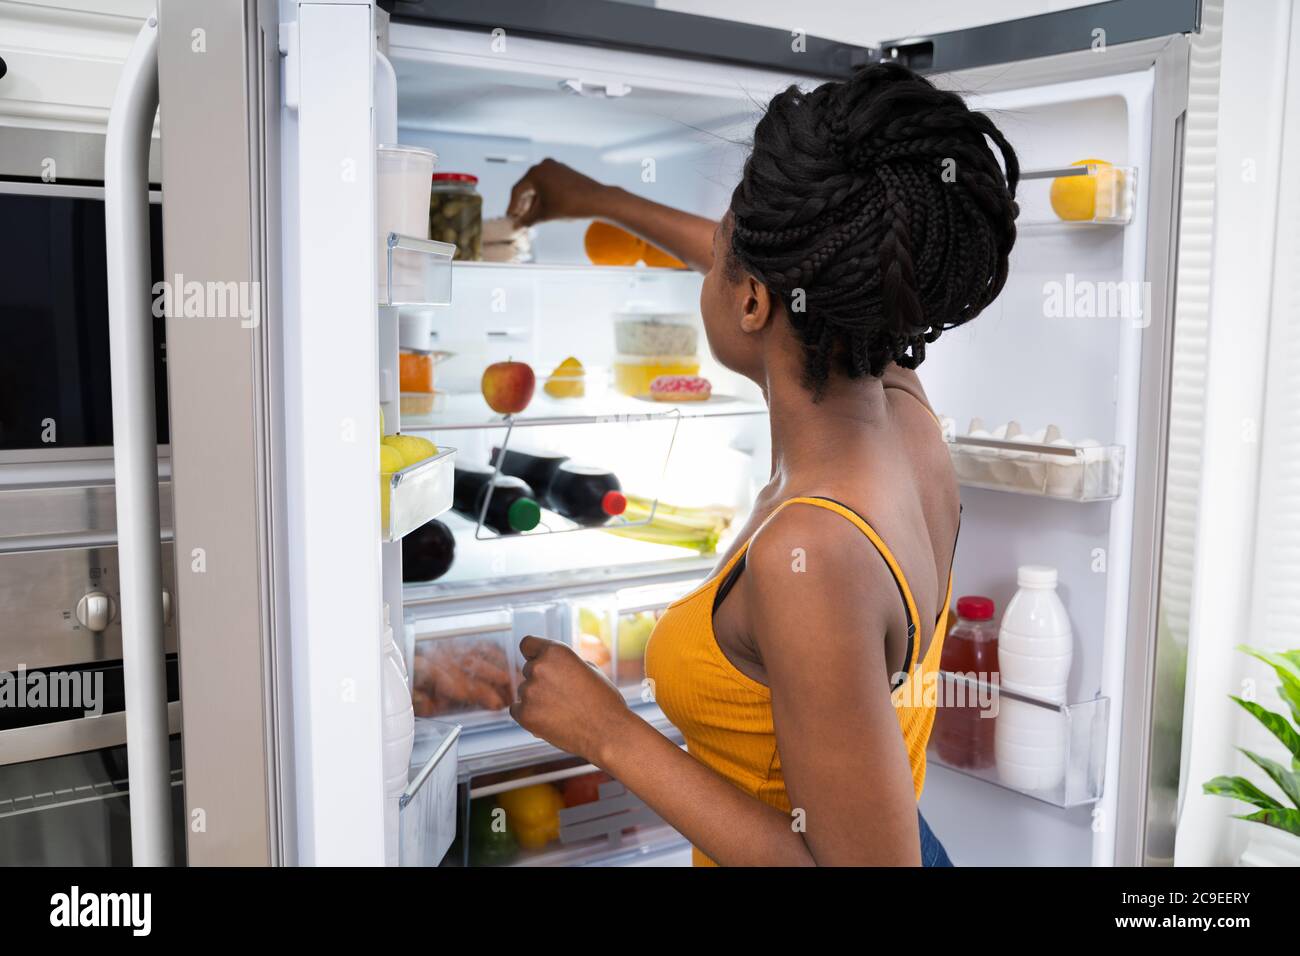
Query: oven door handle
135	447
65	737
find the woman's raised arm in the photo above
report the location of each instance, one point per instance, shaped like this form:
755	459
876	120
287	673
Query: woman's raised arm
552	190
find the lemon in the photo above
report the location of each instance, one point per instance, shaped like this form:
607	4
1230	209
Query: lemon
567	381
412	448
390	460
385	491
1075	198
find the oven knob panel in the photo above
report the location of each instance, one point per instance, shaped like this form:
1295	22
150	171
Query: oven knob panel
95	611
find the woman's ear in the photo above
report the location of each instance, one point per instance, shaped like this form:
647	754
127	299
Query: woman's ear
756	306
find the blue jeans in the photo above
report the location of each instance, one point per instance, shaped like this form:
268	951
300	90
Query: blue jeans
932	851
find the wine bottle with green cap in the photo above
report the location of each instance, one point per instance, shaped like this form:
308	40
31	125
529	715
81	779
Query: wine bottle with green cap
512	508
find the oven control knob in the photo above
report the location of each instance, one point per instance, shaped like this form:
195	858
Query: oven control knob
95	611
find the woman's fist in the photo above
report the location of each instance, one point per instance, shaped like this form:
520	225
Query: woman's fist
566	701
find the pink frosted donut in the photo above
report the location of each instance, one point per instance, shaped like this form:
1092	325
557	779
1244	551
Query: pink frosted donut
680	388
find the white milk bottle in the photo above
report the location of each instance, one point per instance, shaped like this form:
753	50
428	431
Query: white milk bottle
399	737
1035	651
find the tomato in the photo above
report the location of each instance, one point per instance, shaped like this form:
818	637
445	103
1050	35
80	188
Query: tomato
584	789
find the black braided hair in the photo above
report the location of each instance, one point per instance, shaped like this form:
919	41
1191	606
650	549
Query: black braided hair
875	209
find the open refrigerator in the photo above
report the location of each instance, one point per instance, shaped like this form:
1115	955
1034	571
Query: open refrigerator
271	115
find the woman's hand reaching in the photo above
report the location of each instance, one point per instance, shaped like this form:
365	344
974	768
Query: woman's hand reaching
551	191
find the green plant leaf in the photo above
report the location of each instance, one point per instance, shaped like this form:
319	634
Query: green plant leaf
1288	780
1278	725
1288	820
1239	788
1286	662
1287	667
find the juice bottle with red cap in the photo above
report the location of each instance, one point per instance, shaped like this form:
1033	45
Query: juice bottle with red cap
963	734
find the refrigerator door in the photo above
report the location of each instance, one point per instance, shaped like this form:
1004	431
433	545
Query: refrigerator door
1110	78
219	77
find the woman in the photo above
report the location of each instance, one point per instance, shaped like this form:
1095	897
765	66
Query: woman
871	216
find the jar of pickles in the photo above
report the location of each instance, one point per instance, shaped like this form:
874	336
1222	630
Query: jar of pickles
456	213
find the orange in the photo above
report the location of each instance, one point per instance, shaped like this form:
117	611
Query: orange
654	256
608	245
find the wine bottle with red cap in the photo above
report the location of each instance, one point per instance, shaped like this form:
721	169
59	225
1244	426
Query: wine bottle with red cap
585	494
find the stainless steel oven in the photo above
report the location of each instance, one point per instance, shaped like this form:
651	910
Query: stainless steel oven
63	792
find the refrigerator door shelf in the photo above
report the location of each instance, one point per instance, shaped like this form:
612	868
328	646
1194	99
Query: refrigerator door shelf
1065	472
428	806
1083	194
1051	751
417	273
417	494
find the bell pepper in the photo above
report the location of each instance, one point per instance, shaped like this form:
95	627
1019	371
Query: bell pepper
491	843
534	814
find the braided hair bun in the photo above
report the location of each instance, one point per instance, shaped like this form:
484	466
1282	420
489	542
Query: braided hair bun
877	211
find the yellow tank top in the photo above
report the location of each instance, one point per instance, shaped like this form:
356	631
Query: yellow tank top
726	716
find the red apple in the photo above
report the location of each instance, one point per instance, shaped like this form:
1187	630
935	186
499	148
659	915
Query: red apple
508	386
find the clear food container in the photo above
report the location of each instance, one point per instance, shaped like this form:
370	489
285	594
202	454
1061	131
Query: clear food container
466	665
419	408
416	368
402	177
634	373
456	213
650	334
611	631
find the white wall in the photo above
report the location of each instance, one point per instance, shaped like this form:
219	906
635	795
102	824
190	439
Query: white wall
857	21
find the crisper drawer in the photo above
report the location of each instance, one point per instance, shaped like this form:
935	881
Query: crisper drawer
611	630
466	667
560	813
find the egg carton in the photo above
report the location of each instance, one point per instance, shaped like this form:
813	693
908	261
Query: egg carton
1042	463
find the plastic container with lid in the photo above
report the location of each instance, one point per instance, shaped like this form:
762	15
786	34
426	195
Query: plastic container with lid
464	665
963	730
402	176
654	333
456	213
634	373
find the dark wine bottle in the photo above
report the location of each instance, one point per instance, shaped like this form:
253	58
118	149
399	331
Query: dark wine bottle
537	470
512	508
428	552
586	494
